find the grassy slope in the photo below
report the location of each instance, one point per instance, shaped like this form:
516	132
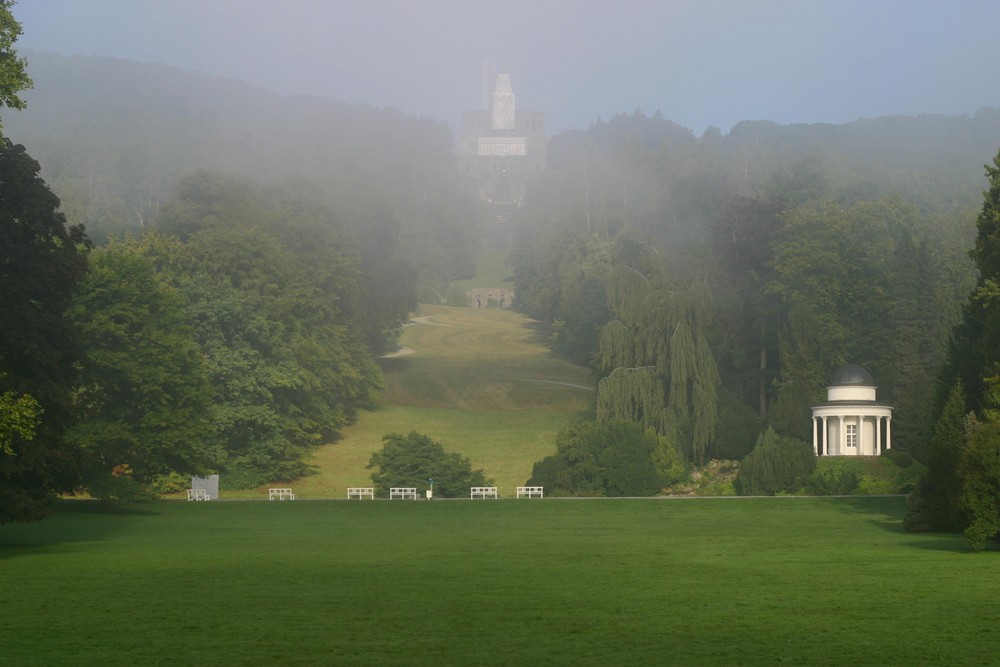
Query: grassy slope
491	271
478	381
799	581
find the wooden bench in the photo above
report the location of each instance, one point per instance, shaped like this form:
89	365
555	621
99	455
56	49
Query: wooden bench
482	492
280	494
403	492
198	494
360	492
530	492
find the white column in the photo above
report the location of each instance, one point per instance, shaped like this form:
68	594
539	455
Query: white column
878	435
815	439
888	432
861	430
826	436
841	435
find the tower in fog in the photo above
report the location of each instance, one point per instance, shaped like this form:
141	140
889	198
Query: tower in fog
490	68
503	103
499	145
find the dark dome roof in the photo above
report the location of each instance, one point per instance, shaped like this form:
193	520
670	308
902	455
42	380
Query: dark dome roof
851	375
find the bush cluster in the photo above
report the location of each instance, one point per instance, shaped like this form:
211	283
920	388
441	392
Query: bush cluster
776	465
612	458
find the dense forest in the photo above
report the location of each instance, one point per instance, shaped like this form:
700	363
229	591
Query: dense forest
246	254
740	271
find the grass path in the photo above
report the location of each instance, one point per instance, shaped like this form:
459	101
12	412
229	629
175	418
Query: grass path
478	380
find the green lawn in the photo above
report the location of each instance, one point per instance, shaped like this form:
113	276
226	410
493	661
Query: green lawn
480	382
798	581
492	270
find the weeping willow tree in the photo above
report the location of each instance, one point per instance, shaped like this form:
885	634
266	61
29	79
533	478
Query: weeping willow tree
661	371
634	395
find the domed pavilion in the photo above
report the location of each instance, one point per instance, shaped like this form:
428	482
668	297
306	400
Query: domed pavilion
851	422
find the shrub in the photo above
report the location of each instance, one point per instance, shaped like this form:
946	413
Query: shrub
980	470
899	458
776	465
716	487
412	460
937	504
117	487
833	477
872	485
612	458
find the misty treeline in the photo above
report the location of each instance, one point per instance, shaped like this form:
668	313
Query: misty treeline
245	258
114	137
715	283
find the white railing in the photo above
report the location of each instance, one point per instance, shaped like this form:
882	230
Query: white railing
360	492
403	492
280	494
530	492
198	494
482	492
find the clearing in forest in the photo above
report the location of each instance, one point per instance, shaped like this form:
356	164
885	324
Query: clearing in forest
480	381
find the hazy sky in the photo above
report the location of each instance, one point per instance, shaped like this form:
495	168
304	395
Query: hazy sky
699	62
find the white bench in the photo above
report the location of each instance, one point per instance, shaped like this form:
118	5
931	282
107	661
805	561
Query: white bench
482	492
530	492
403	492
280	494
198	494
360	492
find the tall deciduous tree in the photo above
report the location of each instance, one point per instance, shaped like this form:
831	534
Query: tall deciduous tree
833	270
13	73
144	395
662	326
275	298
744	239
41	262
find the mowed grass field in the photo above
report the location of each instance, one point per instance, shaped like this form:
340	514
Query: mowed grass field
477	380
737	581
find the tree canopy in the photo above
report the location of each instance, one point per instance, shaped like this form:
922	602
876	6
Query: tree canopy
415	460
727	277
273	292
143	402
610	458
961	488
42	261
13	68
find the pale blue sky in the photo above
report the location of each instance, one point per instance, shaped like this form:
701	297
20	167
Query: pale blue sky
700	62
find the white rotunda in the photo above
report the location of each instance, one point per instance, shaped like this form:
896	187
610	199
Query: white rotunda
851	422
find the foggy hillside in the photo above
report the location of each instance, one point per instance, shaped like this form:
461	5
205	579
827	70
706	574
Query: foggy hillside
113	136
106	129
934	161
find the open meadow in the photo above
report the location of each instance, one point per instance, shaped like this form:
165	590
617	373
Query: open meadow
477	380
737	581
